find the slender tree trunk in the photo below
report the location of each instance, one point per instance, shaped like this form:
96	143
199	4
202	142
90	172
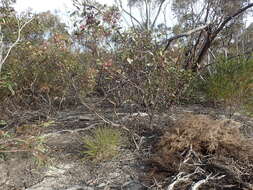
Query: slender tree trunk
4	57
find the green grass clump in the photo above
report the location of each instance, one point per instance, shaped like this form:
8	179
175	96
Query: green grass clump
230	83
102	144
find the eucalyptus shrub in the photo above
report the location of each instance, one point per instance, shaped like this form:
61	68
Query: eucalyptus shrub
43	68
48	75
142	74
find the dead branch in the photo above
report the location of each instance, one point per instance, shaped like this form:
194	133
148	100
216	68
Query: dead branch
183	177
197	185
231	17
104	119
71	131
212	35
184	35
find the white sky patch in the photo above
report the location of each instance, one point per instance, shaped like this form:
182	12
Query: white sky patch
42	5
49	5
64	7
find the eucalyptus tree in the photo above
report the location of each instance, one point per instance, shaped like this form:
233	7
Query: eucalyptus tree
207	23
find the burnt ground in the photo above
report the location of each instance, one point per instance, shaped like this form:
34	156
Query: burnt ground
63	166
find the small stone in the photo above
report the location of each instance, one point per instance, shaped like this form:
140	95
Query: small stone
101	185
85	118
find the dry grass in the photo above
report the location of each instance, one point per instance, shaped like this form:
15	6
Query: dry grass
206	136
216	146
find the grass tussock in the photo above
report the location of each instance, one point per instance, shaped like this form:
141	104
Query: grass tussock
102	144
230	83
207	137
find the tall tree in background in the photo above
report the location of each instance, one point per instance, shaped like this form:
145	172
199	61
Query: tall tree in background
211	26
143	14
218	21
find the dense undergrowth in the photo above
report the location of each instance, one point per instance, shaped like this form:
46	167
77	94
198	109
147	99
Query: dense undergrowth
229	83
51	67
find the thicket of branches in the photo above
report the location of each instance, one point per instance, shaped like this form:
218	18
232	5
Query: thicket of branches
129	54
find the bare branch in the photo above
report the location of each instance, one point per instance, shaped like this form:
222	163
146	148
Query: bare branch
197	185
211	36
185	34
104	119
183	177
157	14
20	28
119	2
229	18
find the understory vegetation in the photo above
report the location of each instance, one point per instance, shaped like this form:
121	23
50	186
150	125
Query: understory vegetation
229	83
102	144
54	68
147	67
